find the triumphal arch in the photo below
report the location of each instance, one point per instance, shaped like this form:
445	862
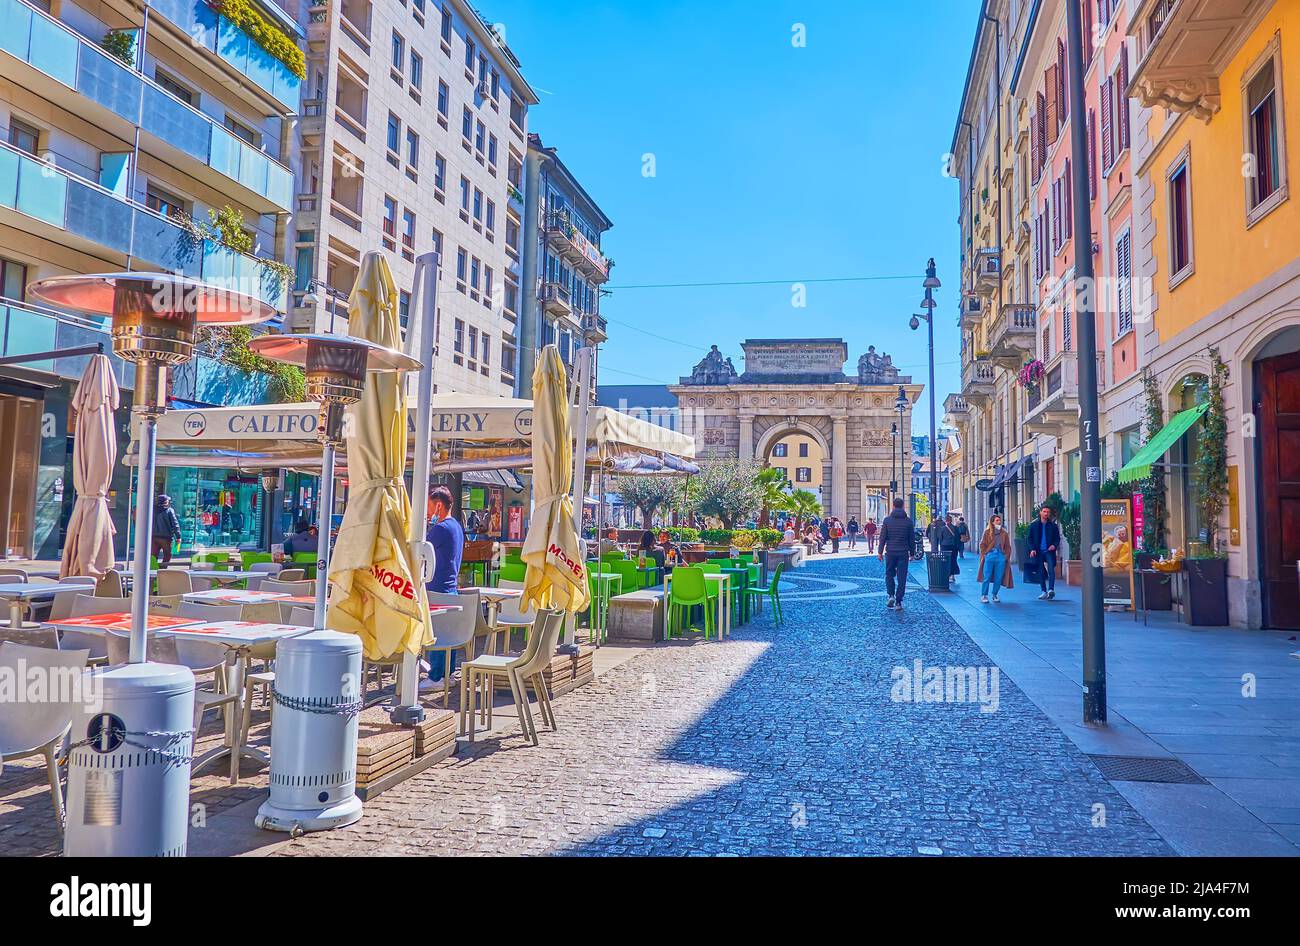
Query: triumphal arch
799	385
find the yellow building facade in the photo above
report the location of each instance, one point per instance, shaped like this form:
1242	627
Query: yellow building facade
1217	267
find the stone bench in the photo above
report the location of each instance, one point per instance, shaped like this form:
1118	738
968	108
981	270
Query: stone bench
637	616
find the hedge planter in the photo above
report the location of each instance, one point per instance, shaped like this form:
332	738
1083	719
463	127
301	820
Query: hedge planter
1207	591
1022	551
1157	590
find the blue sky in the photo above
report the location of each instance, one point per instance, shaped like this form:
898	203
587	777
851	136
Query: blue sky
772	162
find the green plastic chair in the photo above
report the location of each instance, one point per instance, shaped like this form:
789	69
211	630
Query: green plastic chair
513	571
307	560
688	590
249	559
628	570
771	591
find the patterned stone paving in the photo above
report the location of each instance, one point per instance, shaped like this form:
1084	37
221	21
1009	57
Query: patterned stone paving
778	741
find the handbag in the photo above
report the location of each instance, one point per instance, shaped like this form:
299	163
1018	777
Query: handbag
1034	570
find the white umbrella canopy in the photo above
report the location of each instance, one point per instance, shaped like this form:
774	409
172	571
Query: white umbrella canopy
88	549
556	575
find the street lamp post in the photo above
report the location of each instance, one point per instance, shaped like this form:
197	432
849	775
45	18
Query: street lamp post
893	459
900	405
1094	627
931	283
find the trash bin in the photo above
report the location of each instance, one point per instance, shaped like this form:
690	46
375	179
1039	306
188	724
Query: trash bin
939	563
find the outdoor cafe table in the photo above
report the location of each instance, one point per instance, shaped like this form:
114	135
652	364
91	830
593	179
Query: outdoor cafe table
724	598
598	610
231	575
493	598
235	596
19	594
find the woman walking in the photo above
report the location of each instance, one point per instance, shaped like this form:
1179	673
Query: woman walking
995	556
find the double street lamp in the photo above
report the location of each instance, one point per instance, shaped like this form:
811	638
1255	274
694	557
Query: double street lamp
931	283
904	437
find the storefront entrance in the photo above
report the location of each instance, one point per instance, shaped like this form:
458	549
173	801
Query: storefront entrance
20	427
1277	408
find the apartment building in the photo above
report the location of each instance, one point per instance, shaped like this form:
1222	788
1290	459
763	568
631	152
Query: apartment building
414	134
1217	263
136	136
564	265
1019	398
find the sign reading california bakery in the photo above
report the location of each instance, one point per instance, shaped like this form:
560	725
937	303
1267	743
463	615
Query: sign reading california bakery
799	386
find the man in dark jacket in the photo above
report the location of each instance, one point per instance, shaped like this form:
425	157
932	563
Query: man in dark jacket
1044	543
166	530
897	537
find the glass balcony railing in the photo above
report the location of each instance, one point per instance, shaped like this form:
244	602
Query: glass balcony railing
223	38
91	212
44	43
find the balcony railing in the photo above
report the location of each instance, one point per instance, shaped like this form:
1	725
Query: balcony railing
1013	335
219	36
573	243
1053	403
106	219
556	299
82	67
972	312
977	381
988	269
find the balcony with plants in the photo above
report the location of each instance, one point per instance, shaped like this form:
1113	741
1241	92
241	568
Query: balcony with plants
1052	392
1013	335
80	213
92	80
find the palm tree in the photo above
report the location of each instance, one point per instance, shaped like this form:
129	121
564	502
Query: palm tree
804	505
771	482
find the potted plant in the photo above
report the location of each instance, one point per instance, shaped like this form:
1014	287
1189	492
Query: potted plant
1030	373
1022	542
1070	528
1207	571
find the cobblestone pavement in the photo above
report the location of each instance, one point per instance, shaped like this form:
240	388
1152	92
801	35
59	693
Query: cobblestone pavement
778	741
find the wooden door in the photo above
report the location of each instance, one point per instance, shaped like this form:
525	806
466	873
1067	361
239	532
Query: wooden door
1277	410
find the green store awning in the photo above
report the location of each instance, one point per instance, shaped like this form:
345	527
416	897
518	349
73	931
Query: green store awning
1139	468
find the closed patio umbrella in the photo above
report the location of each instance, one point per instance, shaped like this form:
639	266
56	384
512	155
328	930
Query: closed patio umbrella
376	591
557	574
88	548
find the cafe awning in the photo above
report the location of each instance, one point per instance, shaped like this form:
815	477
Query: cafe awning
1139	468
470	432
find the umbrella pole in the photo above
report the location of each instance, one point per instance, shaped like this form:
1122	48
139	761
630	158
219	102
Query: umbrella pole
323	534
582	384
407	710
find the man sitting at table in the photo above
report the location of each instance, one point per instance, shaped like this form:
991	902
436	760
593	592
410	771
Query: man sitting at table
447	537
610	542
304	540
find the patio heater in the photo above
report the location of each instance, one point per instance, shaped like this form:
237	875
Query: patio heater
128	786
318	674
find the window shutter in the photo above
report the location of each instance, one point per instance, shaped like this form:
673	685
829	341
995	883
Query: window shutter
1107	148
1038	255
1088	40
1092	155
1067	215
1040	135
1124	275
1062	74
1050	92
1121	100
1056	215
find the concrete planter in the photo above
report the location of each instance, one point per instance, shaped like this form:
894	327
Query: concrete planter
1074	573
1207	591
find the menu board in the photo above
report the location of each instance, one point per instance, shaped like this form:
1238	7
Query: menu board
1117	551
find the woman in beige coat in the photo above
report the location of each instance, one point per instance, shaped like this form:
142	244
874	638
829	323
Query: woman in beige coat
995	560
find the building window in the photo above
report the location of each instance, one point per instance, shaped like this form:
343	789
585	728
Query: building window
466	125
443	106
408	234
390	222
1265	188
445	29
803	449
1180	221
1124	282
803	474
462	268
417	69
781	450
412	149
399	52
469	55
394	134
240	130
182	92
404	308
23	136
458	340
440	174
13	280
161	202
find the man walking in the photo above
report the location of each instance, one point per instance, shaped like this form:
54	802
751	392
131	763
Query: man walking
837	531
1044	542
952	545
869	530
166	530
854	529
963	536
447	536
897	537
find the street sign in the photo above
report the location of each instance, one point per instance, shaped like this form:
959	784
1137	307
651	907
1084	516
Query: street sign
984	484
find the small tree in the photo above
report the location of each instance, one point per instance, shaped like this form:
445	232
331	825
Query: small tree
1155	509
648	494
804	505
771	482
1211	469
729	489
